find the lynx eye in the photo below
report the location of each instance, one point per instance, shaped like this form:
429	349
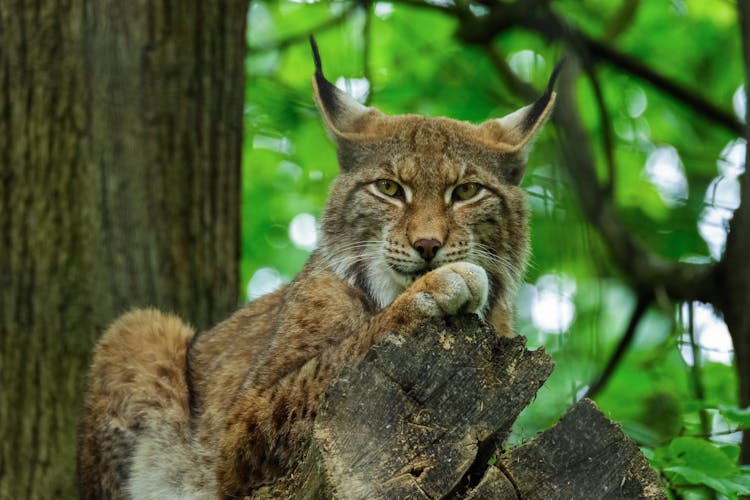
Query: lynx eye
390	188
464	192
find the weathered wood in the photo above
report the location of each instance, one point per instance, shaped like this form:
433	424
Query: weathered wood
422	415
583	456
493	485
412	418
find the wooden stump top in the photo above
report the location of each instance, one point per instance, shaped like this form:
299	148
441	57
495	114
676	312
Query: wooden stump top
424	413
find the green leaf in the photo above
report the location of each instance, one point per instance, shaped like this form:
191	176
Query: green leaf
736	486
702	456
730	450
726	486
697	493
736	414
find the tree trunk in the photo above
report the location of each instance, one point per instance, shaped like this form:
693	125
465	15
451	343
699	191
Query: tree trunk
423	415
120	142
734	301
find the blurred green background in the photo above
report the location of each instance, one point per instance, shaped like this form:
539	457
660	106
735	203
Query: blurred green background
675	390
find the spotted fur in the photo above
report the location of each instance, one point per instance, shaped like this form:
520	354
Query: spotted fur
169	414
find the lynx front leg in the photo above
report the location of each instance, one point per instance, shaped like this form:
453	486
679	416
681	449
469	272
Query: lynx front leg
448	290
268	428
246	460
452	288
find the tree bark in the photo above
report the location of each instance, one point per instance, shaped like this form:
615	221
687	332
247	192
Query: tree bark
734	301
423	415
120	142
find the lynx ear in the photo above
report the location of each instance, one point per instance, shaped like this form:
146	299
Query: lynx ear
513	132
344	117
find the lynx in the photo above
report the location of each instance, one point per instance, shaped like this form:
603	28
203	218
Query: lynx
426	219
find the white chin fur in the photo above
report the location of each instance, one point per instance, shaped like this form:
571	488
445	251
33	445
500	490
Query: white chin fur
381	282
384	284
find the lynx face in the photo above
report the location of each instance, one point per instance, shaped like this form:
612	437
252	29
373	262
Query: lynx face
424	197
416	193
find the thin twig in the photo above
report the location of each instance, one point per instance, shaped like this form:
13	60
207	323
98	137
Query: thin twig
622	19
606	124
641	305
303	37
537	16
695	370
366	34
690	97
727	432
446	8
516	85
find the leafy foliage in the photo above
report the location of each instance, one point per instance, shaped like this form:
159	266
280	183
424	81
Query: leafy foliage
695	465
675	186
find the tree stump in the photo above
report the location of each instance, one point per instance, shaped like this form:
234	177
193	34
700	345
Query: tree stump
424	413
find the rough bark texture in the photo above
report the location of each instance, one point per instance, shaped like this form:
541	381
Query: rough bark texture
423	414
120	130
583	456
734	302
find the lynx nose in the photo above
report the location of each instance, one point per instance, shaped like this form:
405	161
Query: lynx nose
427	248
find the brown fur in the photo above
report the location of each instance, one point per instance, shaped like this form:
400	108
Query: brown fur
136	379
235	410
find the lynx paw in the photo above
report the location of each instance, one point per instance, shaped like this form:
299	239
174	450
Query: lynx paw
452	288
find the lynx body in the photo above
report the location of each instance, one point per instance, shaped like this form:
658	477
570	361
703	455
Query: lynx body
426	219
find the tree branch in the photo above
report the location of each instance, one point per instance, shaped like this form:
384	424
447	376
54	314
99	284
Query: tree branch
303	37
537	16
733	271
622	19
606	124
738	240
523	89
644	269
367	35
691	98
446	8
695	370
641	306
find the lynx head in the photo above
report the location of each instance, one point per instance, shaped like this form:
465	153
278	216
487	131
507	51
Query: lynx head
415	193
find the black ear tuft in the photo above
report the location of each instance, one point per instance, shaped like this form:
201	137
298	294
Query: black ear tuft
316	55
541	104
326	90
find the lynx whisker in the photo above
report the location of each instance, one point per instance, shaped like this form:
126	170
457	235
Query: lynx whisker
481	253
356	244
342	263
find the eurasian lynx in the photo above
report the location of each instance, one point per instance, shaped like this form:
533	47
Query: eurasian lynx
425	219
